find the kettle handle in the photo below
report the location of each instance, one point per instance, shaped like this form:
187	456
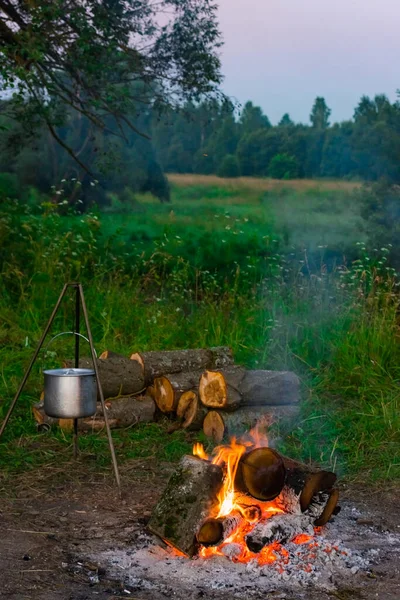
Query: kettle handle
65	333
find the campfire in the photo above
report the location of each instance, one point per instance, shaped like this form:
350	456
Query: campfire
244	502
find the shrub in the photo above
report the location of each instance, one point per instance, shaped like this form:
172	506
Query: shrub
228	167
283	166
9	187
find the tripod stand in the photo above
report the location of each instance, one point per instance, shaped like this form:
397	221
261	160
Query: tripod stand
79	302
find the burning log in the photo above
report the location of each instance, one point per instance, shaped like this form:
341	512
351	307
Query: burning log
331	508
261	473
214	531
124	411
307	480
169	388
157	364
220	389
261	388
190	496
279	528
218	427
119	376
190	411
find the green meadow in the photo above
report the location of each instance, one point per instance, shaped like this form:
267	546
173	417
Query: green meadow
285	273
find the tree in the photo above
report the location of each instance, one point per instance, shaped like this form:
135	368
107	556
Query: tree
252	119
105	58
256	150
283	166
286	121
320	114
228	167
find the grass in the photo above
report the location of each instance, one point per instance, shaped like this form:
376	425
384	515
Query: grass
271	269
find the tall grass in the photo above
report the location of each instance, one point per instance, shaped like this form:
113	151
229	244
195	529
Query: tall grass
212	269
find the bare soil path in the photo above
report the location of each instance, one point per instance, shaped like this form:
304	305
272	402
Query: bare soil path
52	520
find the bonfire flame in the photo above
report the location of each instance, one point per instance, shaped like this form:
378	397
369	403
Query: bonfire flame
232	503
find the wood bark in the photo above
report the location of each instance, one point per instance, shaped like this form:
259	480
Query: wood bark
279	528
119	376
307	480
261	388
121	412
240	421
190	496
261	473
220	389
156	364
169	388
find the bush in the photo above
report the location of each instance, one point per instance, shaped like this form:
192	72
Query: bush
283	166
9	187
228	167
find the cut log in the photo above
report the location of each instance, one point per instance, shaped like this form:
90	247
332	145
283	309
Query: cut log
119	376
240	421
190	496
213	426
307	480
157	364
261	473
214	531
330	509
121	412
261	388
169	388
279	528
191	411
220	389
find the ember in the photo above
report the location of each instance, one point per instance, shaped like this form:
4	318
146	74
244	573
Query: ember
247	501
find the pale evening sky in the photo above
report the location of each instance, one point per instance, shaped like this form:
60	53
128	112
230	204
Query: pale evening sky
281	54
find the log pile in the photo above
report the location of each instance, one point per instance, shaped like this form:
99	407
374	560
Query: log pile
268	504
198	389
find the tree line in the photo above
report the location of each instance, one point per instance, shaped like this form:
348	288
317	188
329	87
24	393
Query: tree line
213	138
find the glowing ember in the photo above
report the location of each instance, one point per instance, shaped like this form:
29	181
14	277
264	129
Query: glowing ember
302	539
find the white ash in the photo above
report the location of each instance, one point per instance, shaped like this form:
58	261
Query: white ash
343	552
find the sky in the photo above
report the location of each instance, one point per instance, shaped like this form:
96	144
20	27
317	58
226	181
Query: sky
281	54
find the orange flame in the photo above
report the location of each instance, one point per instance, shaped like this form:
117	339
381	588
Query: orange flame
230	503
198	450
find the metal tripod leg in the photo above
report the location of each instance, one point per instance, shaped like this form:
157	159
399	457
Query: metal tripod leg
34	357
103	406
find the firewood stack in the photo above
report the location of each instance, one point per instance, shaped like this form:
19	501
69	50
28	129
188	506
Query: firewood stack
197	389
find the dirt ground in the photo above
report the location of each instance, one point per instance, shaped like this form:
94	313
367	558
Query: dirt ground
52	520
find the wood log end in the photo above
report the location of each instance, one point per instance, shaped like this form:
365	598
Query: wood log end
212	389
213	426
261	473
164	394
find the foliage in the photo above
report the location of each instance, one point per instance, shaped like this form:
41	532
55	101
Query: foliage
283	166
228	166
320	114
103	59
